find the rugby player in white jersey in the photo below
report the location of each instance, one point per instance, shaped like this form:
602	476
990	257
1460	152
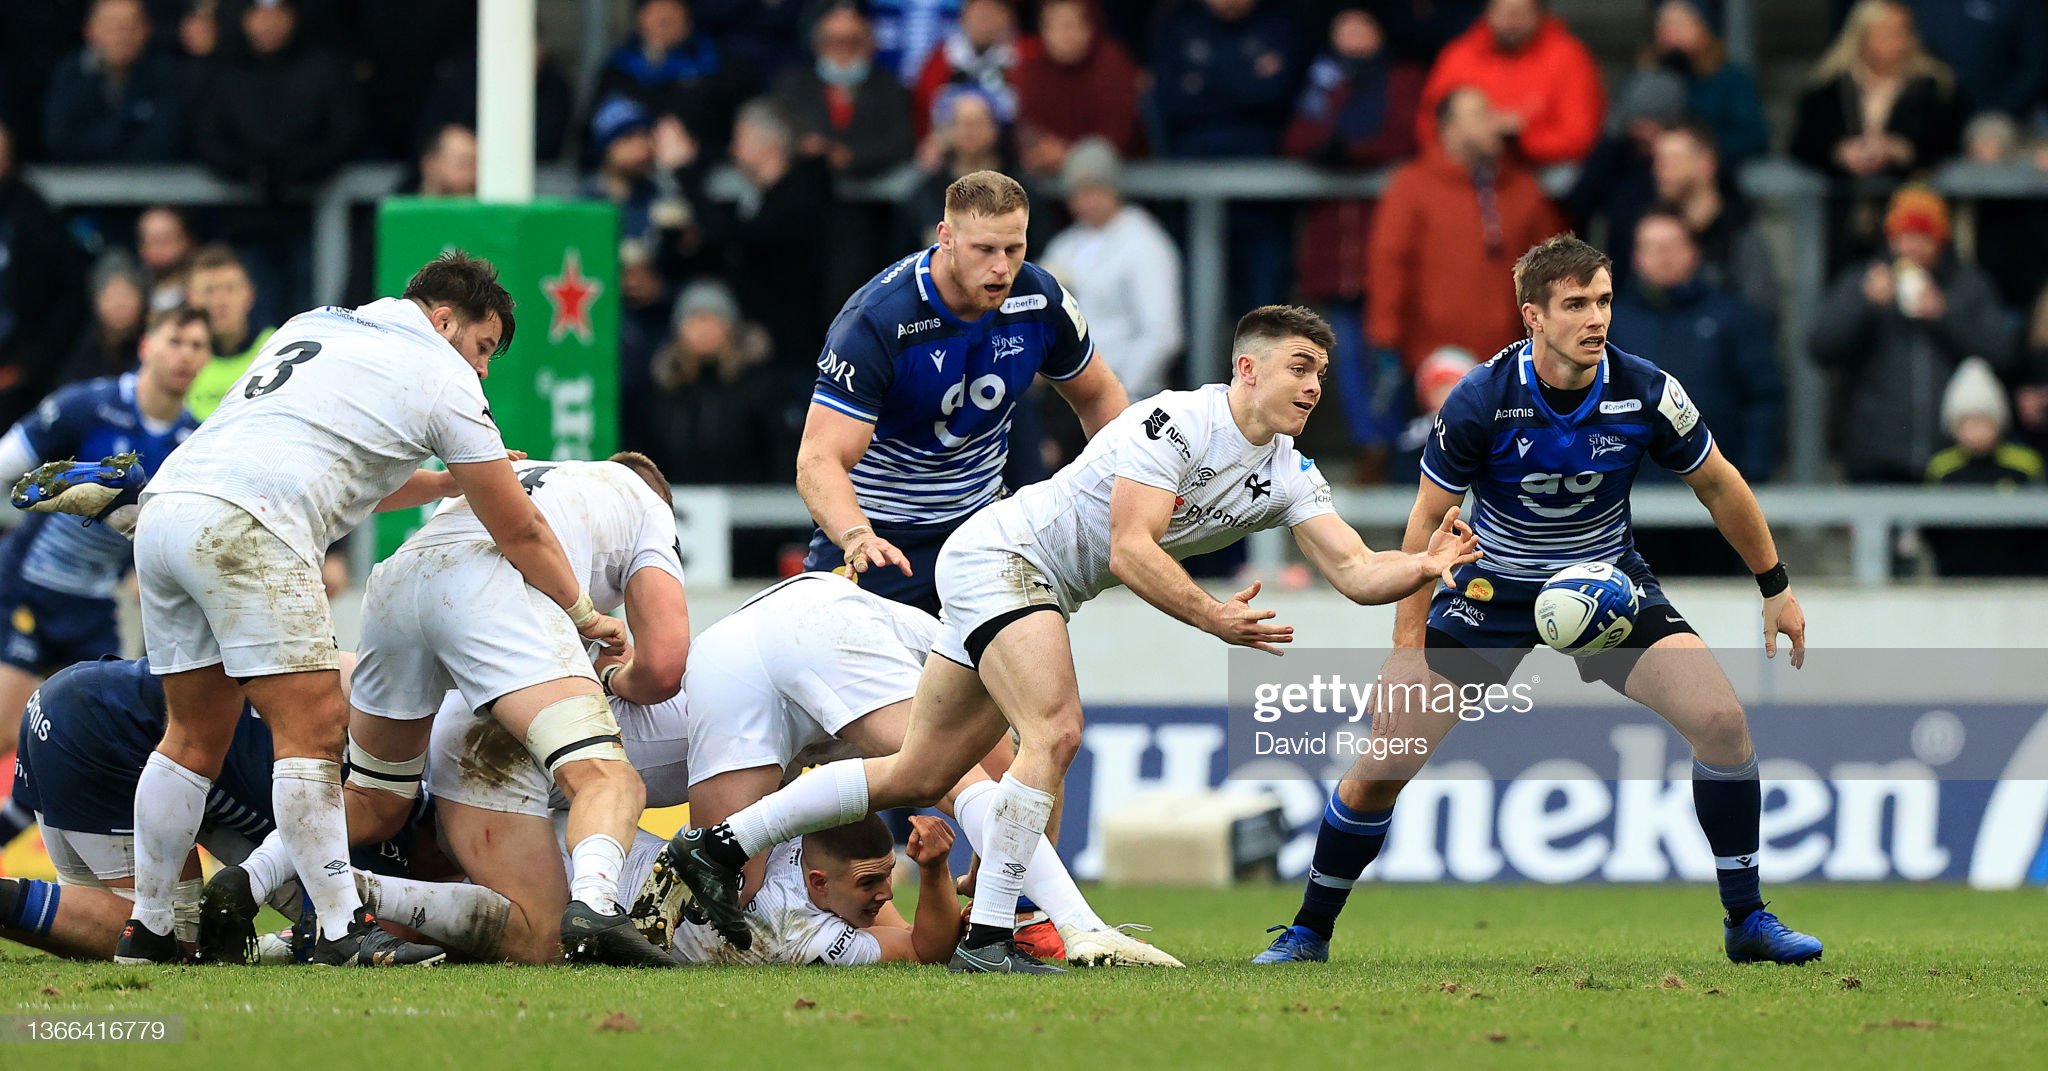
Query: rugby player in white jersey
448	610
1181	473
330	422
811	668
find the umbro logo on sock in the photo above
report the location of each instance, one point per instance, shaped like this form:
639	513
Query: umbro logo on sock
335	866
1016	869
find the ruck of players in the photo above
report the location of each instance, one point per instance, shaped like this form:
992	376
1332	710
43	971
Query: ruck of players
467	782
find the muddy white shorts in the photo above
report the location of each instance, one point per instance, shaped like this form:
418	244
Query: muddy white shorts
983	585
477	762
457	616
219	588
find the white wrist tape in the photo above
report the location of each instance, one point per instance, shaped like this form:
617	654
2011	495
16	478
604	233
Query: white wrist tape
582	611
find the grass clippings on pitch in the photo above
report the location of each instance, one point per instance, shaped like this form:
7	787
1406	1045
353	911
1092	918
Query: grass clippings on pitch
1524	976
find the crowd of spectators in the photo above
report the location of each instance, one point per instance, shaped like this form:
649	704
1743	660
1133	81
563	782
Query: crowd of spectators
1465	101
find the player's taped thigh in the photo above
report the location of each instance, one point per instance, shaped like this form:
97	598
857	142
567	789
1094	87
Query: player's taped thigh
569	730
401	778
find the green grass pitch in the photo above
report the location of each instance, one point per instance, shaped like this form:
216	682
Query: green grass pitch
1924	977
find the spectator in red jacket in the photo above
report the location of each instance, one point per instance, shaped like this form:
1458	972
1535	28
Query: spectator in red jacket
1446	236
984	52
1540	78
1081	84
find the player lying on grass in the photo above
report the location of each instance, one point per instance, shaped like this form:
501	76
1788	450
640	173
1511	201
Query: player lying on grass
447	610
1547	437
825	898
57	580
86	734
1181	473
818	661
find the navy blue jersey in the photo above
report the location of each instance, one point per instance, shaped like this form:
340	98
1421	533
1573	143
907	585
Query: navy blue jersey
88	421
940	389
87	731
1551	489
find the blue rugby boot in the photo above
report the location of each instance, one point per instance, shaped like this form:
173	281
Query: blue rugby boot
83	489
1296	944
1761	938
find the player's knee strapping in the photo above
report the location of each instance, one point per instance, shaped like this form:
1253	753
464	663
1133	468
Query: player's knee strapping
568	730
28	905
400	778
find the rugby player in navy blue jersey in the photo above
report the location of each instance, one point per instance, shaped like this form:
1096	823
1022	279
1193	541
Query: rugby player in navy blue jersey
57	578
1547	437
910	418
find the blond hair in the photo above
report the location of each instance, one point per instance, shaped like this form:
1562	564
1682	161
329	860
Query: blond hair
1845	54
985	193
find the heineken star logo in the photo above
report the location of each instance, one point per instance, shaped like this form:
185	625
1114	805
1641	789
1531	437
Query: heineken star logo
572	295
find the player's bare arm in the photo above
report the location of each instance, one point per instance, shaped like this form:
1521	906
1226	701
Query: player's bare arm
1096	395
832	445
1432	503
931	938
1736	512
429	485
653	670
1138	516
524	538
1370	577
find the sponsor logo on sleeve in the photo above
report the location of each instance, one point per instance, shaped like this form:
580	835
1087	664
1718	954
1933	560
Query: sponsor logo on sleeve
839	372
1023	303
1073	310
1159	424
1676	407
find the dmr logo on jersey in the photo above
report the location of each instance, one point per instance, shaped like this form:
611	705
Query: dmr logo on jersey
840	372
1548	820
1159	424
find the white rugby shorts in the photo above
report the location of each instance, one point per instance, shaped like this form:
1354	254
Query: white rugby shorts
457	615
980	578
219	588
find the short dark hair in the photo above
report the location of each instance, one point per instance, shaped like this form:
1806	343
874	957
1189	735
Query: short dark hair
646	469
1560	258
1701	134
467	284
216	255
1268	324
866	838
179	316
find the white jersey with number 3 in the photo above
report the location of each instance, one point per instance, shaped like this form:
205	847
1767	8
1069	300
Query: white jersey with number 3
609	522
335	414
1181	441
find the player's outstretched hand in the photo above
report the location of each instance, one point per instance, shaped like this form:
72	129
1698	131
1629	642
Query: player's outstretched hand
1237	623
870	550
931	840
1451	545
607	630
1782	614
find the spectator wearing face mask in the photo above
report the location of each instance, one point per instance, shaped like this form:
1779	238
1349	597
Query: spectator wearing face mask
844	109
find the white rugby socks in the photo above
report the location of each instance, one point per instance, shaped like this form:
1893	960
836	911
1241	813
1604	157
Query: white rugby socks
1046	880
594	866
831	795
467	918
305	796
170	801
268	867
1015	827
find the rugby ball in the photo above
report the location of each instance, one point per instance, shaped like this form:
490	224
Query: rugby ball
1585	609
